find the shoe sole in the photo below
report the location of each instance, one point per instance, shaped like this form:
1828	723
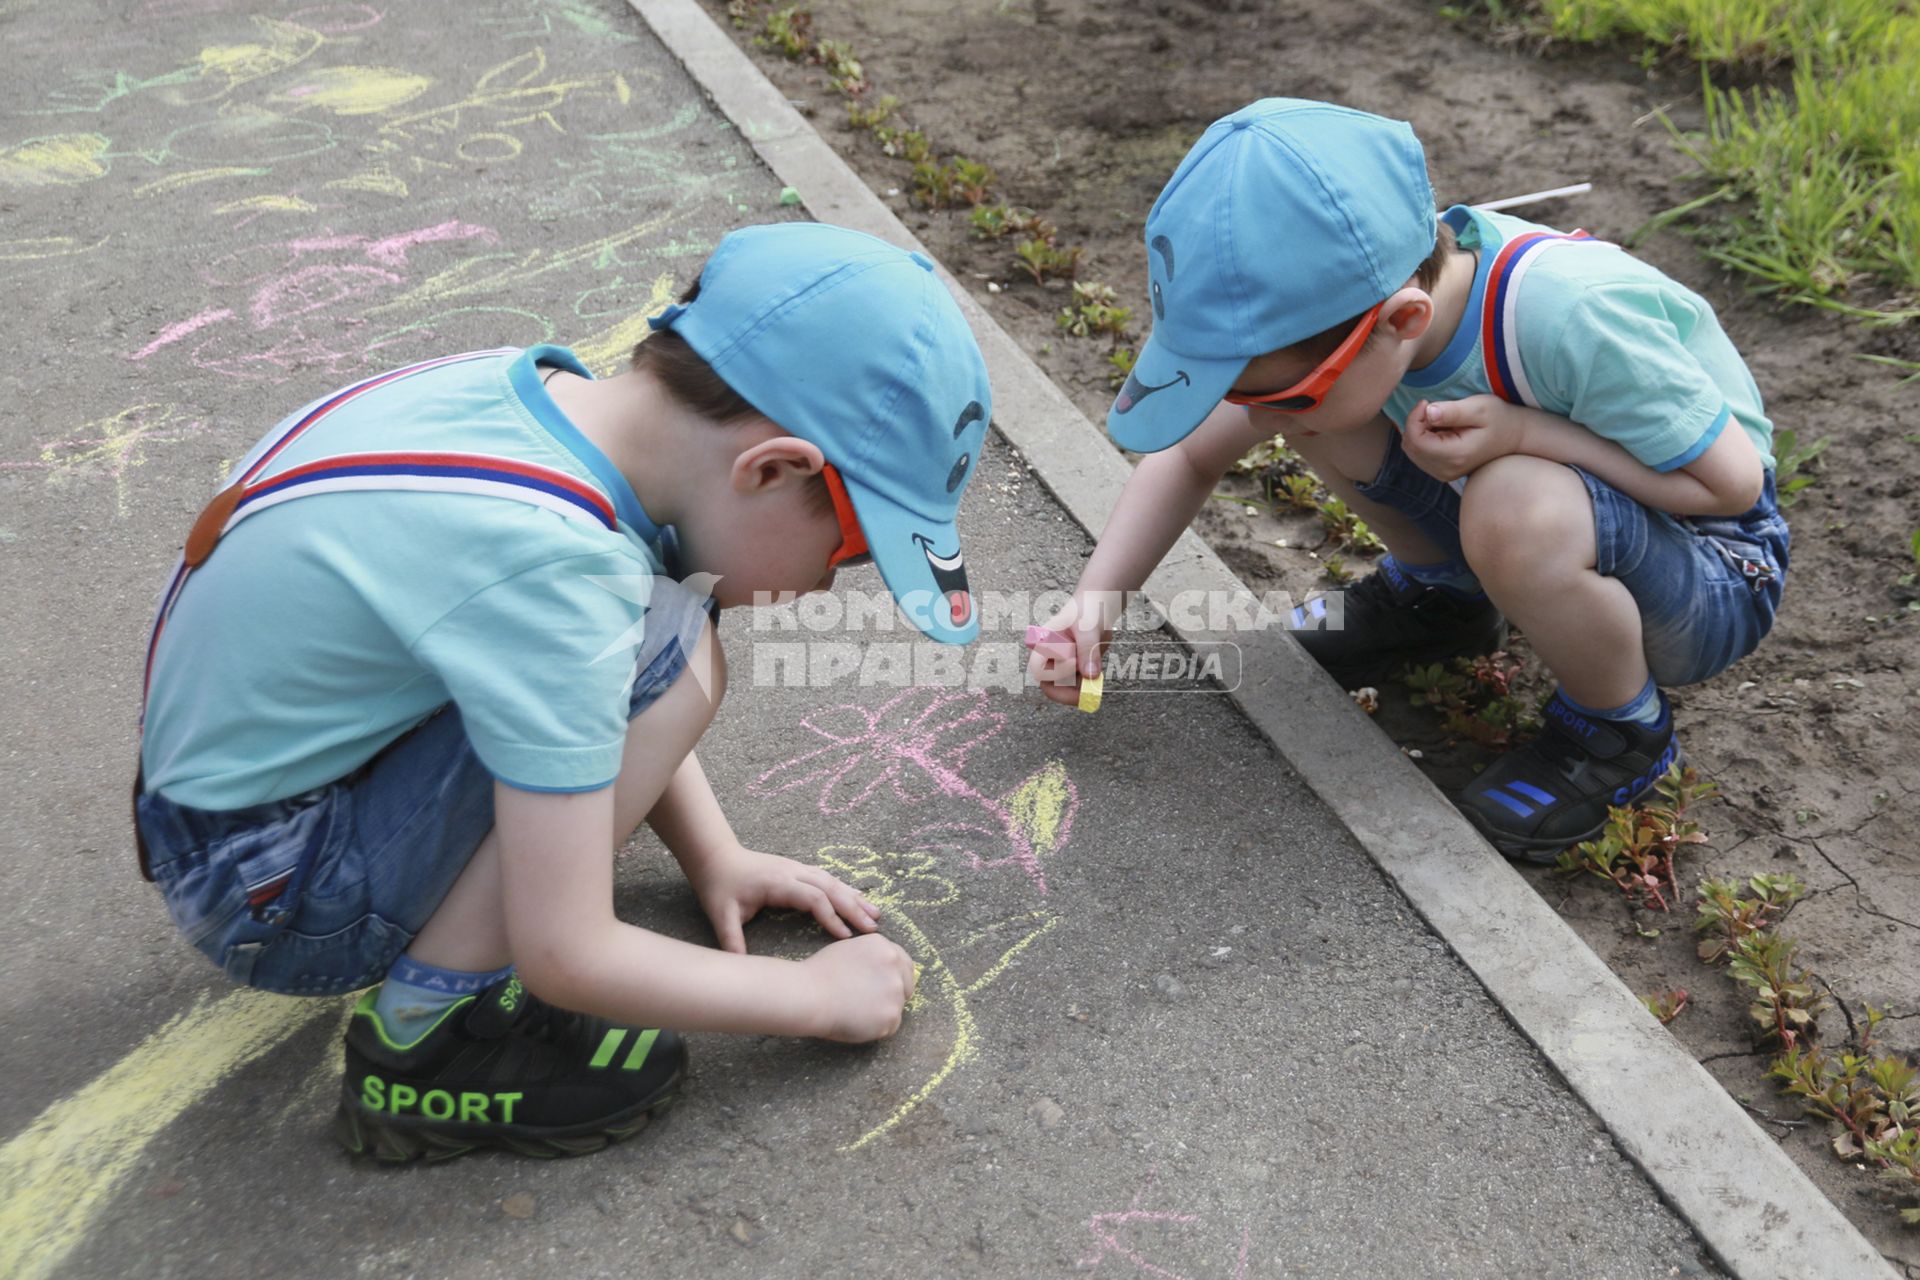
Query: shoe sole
394	1140
1546	853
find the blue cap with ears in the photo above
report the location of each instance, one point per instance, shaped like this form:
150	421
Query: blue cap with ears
855	345
1285	219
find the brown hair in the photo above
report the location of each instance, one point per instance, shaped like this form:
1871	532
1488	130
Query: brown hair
689	379
1426	275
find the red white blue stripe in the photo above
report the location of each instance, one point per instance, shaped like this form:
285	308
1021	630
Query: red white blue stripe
421	472
1499	338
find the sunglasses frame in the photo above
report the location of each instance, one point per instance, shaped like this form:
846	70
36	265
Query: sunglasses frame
1311	391
853	548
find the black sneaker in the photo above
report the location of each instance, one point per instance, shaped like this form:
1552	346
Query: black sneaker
502	1069
1541	799
1389	620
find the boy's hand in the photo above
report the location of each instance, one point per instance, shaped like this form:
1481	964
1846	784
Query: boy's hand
734	886
1457	437
862	985
1058	665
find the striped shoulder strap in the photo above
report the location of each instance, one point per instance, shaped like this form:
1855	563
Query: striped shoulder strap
1499	335
472	473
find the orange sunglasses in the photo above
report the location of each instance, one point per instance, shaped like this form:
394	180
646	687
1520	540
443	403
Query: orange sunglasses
853	547
1310	391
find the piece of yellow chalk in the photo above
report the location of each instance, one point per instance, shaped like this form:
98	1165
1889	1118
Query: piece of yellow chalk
1090	693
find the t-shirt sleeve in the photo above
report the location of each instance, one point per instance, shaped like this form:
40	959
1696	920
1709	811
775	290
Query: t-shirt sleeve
541	665
1613	359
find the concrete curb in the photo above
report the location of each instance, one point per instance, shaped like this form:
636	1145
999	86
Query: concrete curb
1752	1207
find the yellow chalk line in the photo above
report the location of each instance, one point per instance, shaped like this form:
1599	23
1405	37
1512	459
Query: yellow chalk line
56	1175
965	1046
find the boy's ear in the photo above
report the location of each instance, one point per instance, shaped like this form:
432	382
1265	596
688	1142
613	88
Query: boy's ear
1407	314
772	463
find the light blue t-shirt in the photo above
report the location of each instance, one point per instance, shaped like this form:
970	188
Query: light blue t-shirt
1605	340
322	629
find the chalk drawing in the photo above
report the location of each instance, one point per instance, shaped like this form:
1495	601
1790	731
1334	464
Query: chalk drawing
354	91
264	204
337	19
379	179
916	747
112	446
607	351
917	744
281	285
581	16
59	1172
36	248
174	182
224	68
174	332
896	882
248	136
509	96
59	159
1107	1229
93	97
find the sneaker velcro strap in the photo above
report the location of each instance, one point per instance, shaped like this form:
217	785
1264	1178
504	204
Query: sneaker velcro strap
1600	738
498	1007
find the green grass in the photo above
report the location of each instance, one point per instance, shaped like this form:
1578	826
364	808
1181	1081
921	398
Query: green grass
1816	168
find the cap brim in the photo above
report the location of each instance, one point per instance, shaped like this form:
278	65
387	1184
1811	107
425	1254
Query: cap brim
920	561
1166	396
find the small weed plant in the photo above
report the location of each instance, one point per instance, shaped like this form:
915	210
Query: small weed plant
1791	473
1871	1095
1348	531
1636	851
1666	1005
1095	311
788	32
1044	261
1476	699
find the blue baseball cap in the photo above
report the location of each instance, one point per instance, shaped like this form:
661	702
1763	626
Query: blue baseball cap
1285	219
854	345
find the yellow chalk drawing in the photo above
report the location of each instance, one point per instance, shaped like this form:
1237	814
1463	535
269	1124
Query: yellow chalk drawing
509	95
895	881
173	182
512	274
379	180
114	445
1039	804
489	148
355	91
56	160
31	250
266	204
225	67
606	352
56	1176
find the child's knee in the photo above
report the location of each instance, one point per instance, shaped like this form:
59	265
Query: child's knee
1521	511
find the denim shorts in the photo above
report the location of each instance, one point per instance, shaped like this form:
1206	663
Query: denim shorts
1707	586
317	894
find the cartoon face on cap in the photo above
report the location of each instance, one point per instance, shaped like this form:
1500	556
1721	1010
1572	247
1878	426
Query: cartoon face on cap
1160	268
949	569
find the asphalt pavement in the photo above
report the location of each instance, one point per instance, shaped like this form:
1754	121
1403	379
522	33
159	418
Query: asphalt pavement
1172	1019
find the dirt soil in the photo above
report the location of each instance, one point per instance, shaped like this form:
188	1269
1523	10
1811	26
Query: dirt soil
1083	107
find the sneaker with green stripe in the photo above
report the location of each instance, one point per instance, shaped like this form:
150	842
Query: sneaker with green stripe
502	1069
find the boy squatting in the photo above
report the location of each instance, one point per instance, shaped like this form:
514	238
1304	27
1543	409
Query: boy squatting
396	728
1538	426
